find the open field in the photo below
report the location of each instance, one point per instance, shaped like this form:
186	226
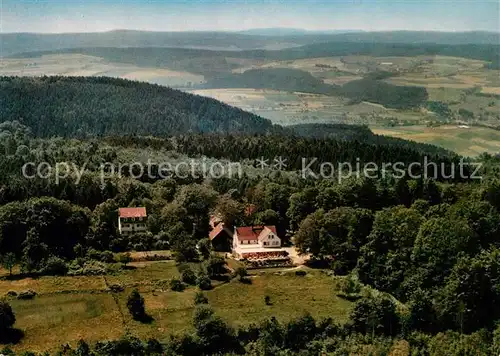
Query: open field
51	320
491	90
428	71
459	82
333	70
69	308
287	108
465	141
346	65
448	72
291	296
83	65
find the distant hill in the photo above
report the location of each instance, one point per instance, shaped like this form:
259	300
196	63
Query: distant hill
420	37
486	52
274	31
278	31
13	43
99	106
212	62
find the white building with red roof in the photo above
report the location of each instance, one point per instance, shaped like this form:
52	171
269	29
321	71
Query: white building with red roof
256	236
132	220
257	242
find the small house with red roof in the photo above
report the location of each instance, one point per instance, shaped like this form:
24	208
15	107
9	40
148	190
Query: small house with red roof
132	220
220	235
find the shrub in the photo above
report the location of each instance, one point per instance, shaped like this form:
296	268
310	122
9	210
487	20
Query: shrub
126	345
89	268
348	287
55	266
215	266
188	276
107	256
200	298
12	294
124	258
7	317
27	294
176	285
82	348
300	273
241	272
267	300
203	282
161	245
103	256
141	241
135	305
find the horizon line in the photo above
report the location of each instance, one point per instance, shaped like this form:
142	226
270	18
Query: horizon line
323	31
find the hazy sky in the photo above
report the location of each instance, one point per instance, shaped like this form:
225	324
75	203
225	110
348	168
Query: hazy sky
182	15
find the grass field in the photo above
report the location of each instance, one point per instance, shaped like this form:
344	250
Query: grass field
465	141
69	308
287	108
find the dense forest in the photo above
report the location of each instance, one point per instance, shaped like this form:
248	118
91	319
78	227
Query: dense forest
79	106
273	78
391	96
92	106
431	245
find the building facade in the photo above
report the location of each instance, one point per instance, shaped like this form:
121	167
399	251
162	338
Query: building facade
132	221
256	236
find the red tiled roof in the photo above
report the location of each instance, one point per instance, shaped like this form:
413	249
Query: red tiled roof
221	227
246	233
273	229
132	212
216	231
